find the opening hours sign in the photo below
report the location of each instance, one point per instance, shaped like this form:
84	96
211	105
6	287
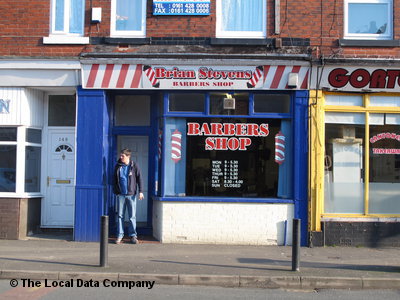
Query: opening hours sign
181	7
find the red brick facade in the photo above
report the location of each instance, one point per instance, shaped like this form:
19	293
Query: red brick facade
24	23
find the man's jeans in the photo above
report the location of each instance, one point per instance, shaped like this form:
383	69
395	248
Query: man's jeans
126	202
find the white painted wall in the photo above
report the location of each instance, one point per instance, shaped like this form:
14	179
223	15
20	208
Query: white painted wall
26	107
222	223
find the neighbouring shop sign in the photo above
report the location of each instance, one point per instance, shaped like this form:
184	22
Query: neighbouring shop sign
358	79
128	76
181	7
385	136
4	106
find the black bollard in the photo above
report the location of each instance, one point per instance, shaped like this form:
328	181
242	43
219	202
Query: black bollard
296	245
104	241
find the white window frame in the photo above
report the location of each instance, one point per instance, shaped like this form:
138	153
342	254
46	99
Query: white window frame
368	36
240	34
127	33
64	37
67	4
21	145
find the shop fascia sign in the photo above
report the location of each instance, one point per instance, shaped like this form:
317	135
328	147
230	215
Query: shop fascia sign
227	136
138	76
360	79
4	106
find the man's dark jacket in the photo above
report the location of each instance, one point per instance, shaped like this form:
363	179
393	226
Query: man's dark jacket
134	178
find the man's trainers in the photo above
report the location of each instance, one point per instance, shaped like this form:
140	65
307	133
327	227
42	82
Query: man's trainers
118	241
134	240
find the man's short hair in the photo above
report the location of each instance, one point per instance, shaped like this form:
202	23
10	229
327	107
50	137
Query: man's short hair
126	151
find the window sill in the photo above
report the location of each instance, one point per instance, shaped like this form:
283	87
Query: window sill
20	196
368	43
241	41
51	40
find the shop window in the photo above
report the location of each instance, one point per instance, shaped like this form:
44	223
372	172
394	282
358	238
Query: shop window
241	19
33	135
67	17
185	102
8	165
32	169
132	110
22	144
385	101
128	18
344	100
368	19
219	105
384	164
228	157
8	134
344	151
62	110
270	103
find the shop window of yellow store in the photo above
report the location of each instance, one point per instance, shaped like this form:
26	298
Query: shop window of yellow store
361	156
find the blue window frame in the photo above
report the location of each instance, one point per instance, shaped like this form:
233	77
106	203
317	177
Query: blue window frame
202	162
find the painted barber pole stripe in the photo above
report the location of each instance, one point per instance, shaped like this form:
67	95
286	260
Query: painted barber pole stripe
111	76
176	146
92	75
107	76
279	148
257	75
266	70
151	75
122	76
137	76
304	84
159	143
276	77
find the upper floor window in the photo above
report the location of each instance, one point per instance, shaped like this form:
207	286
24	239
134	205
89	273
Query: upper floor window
368	19
68	17
128	18
241	18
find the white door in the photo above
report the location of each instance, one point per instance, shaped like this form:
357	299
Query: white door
59	201
139	146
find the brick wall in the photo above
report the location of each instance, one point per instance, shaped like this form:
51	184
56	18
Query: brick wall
24	23
19	217
9	218
356	234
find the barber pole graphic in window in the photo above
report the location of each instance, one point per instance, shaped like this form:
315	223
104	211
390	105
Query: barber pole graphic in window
279	148
159	143
151	75
257	75
176	146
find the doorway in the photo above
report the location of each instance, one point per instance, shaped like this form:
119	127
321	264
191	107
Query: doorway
140	154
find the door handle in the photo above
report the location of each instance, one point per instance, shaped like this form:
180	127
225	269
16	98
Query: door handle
48	181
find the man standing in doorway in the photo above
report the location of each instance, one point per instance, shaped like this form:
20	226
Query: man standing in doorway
127	180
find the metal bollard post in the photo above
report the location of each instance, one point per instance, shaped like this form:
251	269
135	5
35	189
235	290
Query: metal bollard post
296	245
104	241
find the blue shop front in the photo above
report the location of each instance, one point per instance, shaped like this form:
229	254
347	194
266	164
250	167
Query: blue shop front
222	147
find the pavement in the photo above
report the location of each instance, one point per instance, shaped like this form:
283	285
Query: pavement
199	264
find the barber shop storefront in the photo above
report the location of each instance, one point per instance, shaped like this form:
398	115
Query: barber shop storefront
223	148
355	156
